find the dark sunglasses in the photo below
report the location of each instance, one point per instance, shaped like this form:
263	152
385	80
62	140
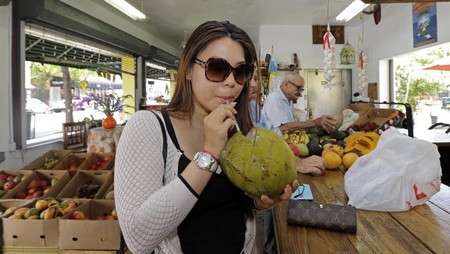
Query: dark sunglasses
218	69
299	88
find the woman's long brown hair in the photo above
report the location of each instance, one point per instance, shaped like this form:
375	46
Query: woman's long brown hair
182	103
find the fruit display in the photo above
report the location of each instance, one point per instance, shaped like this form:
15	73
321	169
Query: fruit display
260	163
87	190
9	181
49	163
98	162
36	188
44	209
338	148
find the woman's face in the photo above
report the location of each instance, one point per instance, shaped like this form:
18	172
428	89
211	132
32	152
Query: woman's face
209	95
254	86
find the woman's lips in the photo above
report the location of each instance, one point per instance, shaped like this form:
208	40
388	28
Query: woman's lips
226	100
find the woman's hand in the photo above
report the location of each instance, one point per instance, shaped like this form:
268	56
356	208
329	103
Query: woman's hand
217	124
265	202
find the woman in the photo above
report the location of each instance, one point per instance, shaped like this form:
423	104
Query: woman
189	206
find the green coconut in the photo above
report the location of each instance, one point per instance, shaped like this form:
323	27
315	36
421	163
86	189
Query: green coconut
260	163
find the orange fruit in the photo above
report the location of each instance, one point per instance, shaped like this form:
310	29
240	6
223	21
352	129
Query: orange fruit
339	150
348	159
332	159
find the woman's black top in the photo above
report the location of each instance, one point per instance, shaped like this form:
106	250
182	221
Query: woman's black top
216	223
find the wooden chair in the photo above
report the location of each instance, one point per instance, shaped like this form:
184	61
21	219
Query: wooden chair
75	136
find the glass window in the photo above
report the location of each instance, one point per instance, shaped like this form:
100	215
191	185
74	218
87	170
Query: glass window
90	70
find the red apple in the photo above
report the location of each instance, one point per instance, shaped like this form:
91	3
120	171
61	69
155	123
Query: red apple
34	184
9	185
3	176
294	149
21	195
44	183
78	215
38	194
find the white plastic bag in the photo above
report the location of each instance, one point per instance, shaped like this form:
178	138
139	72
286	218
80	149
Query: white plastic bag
400	173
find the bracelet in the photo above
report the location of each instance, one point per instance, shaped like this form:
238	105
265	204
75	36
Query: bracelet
212	155
259	208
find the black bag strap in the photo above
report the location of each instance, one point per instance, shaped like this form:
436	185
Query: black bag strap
163	130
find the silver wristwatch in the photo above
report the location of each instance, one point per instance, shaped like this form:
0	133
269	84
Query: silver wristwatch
205	161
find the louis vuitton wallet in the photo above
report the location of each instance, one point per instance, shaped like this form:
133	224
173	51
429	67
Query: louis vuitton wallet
326	216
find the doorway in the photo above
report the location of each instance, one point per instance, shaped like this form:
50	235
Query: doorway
327	99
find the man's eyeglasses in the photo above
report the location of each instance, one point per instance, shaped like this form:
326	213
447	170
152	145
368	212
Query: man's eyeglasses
299	88
218	69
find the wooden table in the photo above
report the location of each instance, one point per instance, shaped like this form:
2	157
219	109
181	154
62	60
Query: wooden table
423	229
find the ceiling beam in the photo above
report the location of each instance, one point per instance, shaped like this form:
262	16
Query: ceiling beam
401	1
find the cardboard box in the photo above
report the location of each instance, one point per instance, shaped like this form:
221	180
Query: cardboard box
90	234
62	176
380	117
72	161
10	193
360	108
101	178
4	205
98	161
42	162
35	233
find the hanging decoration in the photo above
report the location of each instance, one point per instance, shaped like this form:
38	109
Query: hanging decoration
362	62
348	54
328	53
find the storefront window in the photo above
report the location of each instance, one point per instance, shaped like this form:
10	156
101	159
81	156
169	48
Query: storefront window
89	69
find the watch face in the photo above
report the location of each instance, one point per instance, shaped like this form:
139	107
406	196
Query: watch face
204	162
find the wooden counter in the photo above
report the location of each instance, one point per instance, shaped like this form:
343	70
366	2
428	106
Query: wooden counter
423	229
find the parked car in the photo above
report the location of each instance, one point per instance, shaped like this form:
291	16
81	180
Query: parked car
445	102
58	106
36	106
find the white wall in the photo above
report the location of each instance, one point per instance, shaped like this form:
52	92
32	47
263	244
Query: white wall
393	36
390	38
287	40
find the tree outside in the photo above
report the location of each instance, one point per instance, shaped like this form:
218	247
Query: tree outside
423	89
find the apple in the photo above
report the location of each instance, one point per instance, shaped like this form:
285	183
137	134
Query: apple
53	182
21	195
9	185
38	194
2	182
295	150
33	184
3	176
78	215
44	183
100	217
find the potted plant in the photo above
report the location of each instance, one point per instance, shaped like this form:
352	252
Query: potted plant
109	104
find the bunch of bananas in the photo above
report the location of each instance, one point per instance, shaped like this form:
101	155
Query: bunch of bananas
296	137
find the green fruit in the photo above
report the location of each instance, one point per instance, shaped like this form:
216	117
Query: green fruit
303	148
314	148
31	212
339	135
260	163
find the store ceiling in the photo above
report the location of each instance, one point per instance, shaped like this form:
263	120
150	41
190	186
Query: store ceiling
170	18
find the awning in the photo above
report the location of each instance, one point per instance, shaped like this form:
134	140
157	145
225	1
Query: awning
440	65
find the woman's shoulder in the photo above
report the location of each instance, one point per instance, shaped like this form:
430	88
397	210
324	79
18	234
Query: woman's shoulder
143	117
